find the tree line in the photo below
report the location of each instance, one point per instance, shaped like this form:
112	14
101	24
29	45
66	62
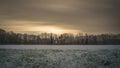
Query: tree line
11	38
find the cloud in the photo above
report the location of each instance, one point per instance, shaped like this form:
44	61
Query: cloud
87	15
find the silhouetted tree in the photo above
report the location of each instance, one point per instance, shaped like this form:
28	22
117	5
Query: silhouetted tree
8	38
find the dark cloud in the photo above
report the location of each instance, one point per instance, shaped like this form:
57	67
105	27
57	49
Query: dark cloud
93	16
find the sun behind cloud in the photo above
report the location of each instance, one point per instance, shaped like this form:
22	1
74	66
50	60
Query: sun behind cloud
48	29
53	29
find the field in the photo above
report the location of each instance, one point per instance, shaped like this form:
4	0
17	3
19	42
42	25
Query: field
56	58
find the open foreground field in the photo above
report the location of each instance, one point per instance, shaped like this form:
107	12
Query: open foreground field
57	58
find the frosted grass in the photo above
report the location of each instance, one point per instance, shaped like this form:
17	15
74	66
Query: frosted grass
54	58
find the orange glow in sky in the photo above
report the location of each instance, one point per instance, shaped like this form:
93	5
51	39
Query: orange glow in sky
52	29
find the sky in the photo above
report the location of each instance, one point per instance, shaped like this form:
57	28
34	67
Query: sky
60	16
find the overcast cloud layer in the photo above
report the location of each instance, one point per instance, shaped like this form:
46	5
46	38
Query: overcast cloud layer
93	16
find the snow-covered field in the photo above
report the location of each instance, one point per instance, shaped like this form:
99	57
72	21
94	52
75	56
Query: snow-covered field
58	58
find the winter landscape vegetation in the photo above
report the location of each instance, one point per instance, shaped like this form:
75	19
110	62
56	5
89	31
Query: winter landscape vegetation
59	33
48	50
